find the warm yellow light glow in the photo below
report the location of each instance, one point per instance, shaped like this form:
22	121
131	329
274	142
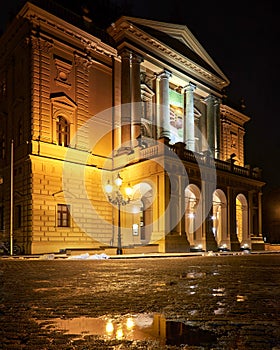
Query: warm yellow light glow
241	298
119	334
128	191
109	327
108	188
129	323
118	180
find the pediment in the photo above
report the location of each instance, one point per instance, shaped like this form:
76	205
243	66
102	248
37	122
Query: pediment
173	40
62	98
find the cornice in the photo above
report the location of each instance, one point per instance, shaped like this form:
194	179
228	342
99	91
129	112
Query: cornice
42	18
233	114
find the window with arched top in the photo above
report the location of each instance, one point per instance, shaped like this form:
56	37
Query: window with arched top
63	131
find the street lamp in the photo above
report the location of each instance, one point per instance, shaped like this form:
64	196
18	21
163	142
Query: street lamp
12	198
115	197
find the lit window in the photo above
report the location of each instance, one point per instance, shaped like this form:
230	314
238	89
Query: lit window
63	131
63	215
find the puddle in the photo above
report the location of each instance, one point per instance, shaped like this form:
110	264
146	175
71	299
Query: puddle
141	327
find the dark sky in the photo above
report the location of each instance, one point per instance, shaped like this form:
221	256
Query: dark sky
243	41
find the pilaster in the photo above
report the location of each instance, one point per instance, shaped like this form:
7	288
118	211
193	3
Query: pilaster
217	128
210	123
136	97
125	99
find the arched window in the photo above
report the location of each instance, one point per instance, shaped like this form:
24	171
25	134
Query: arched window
63	131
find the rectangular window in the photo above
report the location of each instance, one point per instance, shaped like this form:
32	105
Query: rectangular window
63	131
63	215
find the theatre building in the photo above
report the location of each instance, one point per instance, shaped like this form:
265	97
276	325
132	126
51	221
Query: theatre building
140	102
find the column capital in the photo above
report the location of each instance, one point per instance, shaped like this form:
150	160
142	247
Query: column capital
189	87
217	101
165	74
209	98
136	58
125	53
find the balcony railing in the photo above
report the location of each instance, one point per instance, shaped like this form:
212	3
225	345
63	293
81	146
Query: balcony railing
201	159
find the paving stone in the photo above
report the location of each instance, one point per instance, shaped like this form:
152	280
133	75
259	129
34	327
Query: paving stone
236	298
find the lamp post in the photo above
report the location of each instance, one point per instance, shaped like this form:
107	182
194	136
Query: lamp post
115	197
12	198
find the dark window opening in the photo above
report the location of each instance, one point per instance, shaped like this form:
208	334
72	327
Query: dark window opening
63	215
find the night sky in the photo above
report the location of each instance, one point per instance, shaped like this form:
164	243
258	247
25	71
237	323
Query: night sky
243	41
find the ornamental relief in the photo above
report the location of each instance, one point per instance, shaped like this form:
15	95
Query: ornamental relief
40	44
82	62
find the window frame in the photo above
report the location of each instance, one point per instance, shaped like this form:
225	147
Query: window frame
62	131
63	215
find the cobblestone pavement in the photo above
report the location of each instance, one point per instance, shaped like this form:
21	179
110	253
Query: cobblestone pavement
210	302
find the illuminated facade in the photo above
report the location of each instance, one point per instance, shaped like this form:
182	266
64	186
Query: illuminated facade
144	100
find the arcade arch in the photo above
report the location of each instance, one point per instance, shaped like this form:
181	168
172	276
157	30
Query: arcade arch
219	218
242	231
141	214
193	215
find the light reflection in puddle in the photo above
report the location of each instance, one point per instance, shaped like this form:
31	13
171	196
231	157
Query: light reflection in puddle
193	275
133	327
218	292
219	311
137	327
241	297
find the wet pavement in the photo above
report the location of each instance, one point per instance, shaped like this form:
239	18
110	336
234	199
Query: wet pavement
196	302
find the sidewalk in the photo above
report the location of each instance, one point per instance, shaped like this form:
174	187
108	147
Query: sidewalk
86	256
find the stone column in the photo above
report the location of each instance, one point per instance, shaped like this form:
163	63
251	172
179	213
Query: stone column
164	109
231	200
189	132
260	214
182	204
203	130
136	97
125	100
217	128
210	123
251	212
207	193
229	211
